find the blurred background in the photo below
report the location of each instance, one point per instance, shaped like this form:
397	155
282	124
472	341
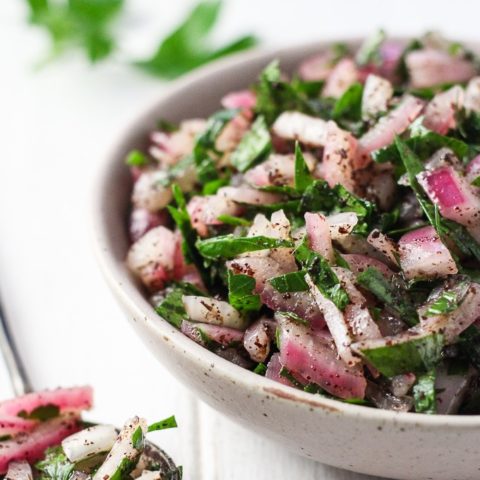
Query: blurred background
59	114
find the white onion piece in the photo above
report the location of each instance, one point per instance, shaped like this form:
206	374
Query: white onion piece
384	131
357	315
339	157
152	256
239	99
248	195
341	224
423	255
441	112
258	338
298	126
335	322
472	95
401	384
151	192
89	442
212	311
343	76
19	470
377	93
122	449
386	246
150	475
318	233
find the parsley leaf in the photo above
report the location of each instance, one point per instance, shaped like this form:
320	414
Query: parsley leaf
446	303
187	47
169	422
136	159
55	465
42	413
303	177
349	105
290	282
424	393
253	146
476	182
228	246
375	282
240	296
171	306
138	439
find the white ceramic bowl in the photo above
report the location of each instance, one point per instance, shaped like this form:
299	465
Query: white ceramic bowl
376	442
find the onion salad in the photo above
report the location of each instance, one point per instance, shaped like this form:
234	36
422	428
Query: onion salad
322	228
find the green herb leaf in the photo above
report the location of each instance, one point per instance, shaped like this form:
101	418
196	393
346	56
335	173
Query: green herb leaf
293	316
228	246
322	274
42	413
402	354
424	394
171	306
369	51
253	146
138	439
290	282
349	105
187	47
240	293
55	465
446	303
375	282
303	177
476	182
169	422
235	221
260	369
136	159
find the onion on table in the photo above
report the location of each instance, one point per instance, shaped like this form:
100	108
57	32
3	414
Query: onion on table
43	435
322	227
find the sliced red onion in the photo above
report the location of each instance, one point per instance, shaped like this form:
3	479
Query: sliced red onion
31	446
122	450
248	195
277	227
359	263
472	95
318	233
244	99
382	187
304	128
339	157
203	333
212	311
317	67
274	367
12	425
195	208
454	323
258	338
152	257
423	255
385	245
341	224
391	52
89	442
336	324
456	199
428	67
343	76
151	191
441	112
360	323
73	399
384	131
310	355
377	94
19	470
141	221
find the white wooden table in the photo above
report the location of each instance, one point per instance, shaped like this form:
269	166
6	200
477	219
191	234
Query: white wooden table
55	125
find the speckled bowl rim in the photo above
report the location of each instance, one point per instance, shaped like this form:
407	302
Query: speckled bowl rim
127	291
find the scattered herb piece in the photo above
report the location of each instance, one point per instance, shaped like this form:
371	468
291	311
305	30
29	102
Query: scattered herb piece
240	293
424	394
169	422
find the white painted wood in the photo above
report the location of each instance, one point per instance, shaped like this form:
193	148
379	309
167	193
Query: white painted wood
55	126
